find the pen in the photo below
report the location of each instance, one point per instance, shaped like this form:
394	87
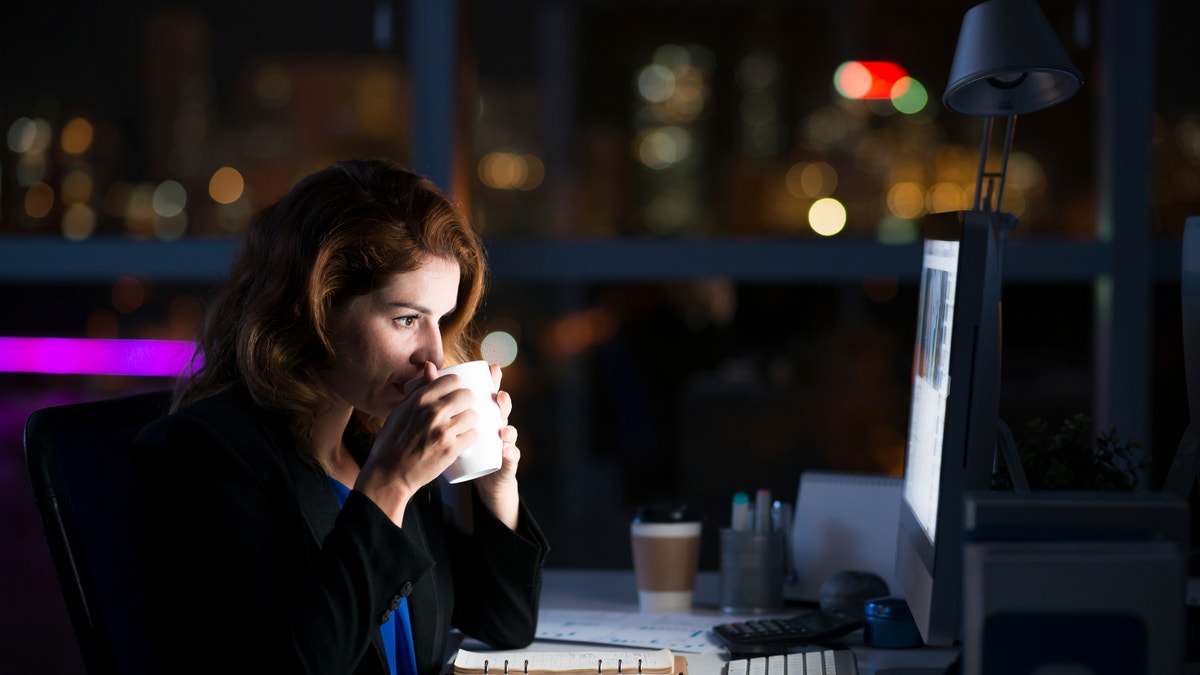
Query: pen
785	524
741	511
762	510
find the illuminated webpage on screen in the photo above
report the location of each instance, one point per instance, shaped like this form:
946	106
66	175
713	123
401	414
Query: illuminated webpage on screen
931	382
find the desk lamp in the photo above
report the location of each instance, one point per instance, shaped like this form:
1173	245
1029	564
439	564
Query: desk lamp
1008	62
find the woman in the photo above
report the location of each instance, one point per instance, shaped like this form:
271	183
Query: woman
297	524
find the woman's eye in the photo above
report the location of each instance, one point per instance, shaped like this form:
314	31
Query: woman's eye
407	321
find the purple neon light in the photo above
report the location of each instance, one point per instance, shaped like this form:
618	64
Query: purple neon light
84	356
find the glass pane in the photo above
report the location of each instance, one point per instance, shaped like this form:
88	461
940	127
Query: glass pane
164	121
634	393
761	119
1176	133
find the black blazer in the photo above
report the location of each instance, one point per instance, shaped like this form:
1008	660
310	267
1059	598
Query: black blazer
254	569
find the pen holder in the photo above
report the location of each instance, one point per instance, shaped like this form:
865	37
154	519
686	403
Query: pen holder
752	570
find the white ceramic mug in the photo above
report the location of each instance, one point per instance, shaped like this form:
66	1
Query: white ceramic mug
485	456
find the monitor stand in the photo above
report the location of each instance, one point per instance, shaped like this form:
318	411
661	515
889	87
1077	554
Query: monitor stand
1006	447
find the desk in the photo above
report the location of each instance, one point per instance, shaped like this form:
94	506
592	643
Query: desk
614	590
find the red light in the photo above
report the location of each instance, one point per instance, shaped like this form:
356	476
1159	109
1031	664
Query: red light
867	79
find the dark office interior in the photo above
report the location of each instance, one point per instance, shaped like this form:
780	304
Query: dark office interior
682	325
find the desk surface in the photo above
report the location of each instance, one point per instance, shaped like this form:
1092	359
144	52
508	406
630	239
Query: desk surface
614	590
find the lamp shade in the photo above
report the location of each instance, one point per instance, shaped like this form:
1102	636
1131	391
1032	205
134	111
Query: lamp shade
1008	62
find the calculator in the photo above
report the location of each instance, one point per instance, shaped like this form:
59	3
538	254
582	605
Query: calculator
775	636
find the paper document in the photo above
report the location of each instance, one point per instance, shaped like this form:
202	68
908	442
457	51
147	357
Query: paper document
656	662
677	632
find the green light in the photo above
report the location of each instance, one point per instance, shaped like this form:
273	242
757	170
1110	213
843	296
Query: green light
909	96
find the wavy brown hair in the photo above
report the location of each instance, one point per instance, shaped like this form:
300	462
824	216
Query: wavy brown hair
337	234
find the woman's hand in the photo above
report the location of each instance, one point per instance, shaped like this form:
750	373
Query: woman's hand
420	438
498	490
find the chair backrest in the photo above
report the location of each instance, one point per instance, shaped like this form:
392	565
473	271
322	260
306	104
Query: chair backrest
80	463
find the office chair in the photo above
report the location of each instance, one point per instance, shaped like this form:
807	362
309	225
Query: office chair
80	463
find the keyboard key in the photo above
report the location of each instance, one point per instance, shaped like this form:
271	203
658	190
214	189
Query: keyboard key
819	662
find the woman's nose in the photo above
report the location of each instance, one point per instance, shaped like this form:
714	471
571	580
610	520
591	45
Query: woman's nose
431	348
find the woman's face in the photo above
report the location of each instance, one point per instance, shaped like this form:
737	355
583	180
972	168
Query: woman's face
384	338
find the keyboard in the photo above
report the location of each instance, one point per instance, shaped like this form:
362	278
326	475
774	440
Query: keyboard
819	662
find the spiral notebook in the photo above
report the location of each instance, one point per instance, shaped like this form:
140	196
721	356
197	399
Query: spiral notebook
655	662
843	521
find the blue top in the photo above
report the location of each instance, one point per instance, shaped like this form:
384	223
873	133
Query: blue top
397	632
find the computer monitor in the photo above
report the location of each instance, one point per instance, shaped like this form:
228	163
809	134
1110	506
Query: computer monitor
953	419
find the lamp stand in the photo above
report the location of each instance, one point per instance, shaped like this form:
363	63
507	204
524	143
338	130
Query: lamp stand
995	179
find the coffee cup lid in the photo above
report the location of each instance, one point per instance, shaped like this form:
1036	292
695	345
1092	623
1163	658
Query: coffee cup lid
665	512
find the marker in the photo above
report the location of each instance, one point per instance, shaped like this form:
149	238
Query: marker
741	512
762	510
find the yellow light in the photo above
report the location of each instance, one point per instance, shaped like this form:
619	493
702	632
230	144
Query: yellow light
1026	173
226	185
792	182
690	84
827	216
139	213
811	180
944	197
78	222
535	172
662	147
506	170
1014	201
906	200
76	187
39	199
77	136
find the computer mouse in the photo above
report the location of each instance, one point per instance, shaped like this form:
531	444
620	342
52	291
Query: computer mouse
846	592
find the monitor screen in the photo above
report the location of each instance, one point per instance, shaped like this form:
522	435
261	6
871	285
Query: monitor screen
953	417
930	382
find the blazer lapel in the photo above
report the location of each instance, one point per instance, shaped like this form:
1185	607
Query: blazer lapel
313	492
315	495
319	506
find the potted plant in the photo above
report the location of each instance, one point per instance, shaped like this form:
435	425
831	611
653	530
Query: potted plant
1066	459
